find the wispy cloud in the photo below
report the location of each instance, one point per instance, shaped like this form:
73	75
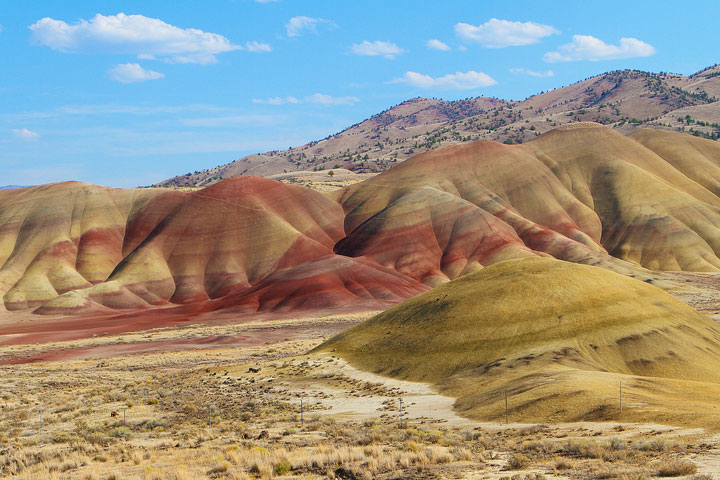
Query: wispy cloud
586	47
146	37
376	48
323	99
25	135
435	44
258	47
276	100
503	33
532	73
132	73
317	98
296	26
454	81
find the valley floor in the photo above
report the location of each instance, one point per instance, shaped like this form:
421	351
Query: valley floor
224	401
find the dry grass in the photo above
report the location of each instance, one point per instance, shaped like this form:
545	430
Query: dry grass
257	432
676	468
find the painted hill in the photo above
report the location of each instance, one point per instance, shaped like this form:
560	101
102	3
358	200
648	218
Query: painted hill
625	100
582	192
77	248
577	193
558	336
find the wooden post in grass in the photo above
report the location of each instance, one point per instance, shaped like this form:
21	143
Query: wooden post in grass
507	416
401	412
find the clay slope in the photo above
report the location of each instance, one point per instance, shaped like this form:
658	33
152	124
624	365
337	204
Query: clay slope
76	248
583	193
559	337
626	100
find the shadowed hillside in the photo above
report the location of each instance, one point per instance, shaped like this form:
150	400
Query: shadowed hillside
559	337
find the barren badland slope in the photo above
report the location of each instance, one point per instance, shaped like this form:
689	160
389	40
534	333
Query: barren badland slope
584	193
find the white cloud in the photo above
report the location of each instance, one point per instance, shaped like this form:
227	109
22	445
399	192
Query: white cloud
319	98
296	26
25	134
323	99
436	44
503	33
132	73
455	81
258	47
148	38
586	47
532	73
376	48
276	100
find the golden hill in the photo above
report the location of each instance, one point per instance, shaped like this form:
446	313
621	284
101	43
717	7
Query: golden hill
559	337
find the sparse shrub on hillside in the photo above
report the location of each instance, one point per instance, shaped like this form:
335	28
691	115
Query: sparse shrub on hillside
676	468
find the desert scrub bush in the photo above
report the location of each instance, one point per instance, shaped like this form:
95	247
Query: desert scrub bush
537	448
676	468
217	469
561	464
517	461
120	432
281	468
582	449
438	455
654	445
617	444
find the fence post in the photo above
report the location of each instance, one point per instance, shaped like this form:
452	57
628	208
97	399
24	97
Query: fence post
507	415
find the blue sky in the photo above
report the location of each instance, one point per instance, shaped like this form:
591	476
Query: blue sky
128	93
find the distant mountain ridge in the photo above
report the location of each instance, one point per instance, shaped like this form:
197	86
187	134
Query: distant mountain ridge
626	100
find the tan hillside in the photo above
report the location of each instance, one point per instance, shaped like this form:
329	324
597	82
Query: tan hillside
625	100
558	336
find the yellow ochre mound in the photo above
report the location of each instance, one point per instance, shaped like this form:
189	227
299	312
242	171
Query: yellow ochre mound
558	336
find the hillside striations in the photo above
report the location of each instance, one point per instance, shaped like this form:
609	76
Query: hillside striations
583	192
